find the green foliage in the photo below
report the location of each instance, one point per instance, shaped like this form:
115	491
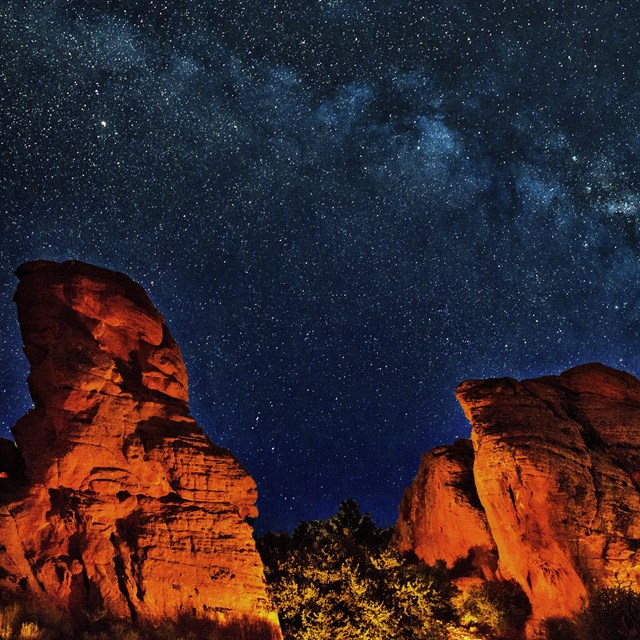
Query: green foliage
500	608
613	613
339	579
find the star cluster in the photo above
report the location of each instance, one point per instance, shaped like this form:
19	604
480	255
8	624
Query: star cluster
342	207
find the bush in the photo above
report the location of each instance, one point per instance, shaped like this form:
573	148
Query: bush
498	607
613	613
31	631
560	629
339	579
19	622
10	616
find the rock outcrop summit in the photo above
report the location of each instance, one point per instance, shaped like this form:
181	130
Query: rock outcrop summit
113	499
548	493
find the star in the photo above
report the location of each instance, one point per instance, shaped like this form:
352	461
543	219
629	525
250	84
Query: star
342	211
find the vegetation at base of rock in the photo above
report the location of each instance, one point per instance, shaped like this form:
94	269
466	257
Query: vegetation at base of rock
613	613
340	578
498	607
21	622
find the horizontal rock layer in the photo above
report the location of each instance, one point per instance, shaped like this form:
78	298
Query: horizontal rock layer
115	499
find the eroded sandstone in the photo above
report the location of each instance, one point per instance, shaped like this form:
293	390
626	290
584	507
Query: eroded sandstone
441	516
556	474
122	503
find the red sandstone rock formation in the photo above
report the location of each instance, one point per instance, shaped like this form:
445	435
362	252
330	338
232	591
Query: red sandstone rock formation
441	516
126	505
556	473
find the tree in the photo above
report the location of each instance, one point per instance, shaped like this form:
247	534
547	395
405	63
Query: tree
338	579
499	607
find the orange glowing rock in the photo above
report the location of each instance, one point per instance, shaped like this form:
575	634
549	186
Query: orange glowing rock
556	473
441	516
127	506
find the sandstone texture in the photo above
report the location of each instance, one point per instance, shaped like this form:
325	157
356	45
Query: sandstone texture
114	499
556	469
441	516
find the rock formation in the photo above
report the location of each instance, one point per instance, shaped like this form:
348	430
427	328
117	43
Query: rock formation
441	516
114	498
557	475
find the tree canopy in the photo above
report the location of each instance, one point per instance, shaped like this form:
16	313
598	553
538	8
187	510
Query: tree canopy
339	579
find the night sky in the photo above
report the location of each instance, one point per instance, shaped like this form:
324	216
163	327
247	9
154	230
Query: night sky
343	208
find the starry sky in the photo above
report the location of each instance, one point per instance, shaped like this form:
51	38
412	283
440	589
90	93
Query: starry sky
343	208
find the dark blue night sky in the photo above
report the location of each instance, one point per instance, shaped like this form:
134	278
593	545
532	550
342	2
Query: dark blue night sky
342	207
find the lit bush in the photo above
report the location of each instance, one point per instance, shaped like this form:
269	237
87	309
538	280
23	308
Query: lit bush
339	579
500	608
192	628
10	616
31	631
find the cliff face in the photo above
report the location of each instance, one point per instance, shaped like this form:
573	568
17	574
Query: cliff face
122	503
556	470
441	516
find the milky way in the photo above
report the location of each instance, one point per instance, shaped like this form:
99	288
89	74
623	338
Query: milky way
343	208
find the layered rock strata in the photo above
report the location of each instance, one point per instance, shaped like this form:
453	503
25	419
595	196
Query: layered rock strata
556	471
115	500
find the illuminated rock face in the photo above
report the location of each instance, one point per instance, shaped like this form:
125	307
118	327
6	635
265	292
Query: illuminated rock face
441	516
126	505
556	471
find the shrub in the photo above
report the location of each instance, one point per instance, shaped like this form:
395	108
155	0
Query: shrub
613	613
560	629
247	628
10	615
31	631
18	622
497	607
236	628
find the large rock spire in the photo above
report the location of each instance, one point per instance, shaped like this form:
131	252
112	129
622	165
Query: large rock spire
123	504
555	477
